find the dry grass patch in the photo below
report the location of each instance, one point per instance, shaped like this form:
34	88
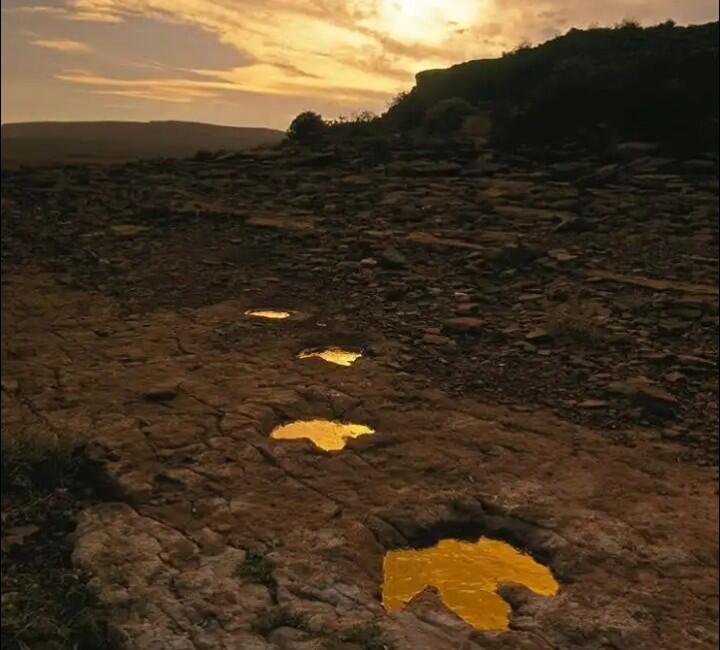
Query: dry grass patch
38	461
577	321
275	618
359	637
46	603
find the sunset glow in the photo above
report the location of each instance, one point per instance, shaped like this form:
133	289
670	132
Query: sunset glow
428	20
260	62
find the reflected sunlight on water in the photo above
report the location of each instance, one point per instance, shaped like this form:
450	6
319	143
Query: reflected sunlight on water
325	434
466	575
338	356
268	313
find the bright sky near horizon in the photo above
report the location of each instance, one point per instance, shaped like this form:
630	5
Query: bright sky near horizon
260	62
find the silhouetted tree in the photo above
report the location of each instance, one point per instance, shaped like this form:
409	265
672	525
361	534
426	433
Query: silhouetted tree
306	127
405	111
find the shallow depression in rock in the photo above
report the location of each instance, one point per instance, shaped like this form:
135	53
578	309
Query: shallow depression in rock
336	355
268	313
466	575
325	434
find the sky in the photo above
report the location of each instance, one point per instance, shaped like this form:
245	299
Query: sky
261	62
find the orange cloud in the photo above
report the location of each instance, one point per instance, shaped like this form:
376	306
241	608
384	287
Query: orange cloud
346	50
360	48
67	13
62	45
91	16
176	91
181	91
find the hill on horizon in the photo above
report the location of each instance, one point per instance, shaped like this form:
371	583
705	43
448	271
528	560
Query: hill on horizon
36	143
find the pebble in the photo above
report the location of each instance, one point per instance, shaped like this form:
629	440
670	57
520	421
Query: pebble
537	335
464	325
160	394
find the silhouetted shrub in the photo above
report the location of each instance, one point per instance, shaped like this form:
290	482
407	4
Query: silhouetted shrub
521	47
405	111
306	127
364	117
628	23
362	124
447	116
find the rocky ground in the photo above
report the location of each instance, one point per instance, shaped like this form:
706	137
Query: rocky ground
540	339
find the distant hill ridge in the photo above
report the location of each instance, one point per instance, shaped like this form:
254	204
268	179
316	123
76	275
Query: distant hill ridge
40	142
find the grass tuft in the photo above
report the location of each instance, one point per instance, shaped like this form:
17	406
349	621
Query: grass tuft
577	321
256	568
52	608
277	617
366	637
42	462
45	602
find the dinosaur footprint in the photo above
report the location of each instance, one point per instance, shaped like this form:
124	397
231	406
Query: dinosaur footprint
466	576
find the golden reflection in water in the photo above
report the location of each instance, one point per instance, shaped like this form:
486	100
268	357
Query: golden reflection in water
466	575
268	313
325	434
333	355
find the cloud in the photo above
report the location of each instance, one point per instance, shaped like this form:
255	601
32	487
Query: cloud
214	84
64	12
348	54
171	90
38	9
381	44
295	33
62	45
340	50
91	16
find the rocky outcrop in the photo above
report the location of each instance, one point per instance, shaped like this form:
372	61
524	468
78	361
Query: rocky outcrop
628	82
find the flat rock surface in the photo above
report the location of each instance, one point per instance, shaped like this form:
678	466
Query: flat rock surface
141	343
